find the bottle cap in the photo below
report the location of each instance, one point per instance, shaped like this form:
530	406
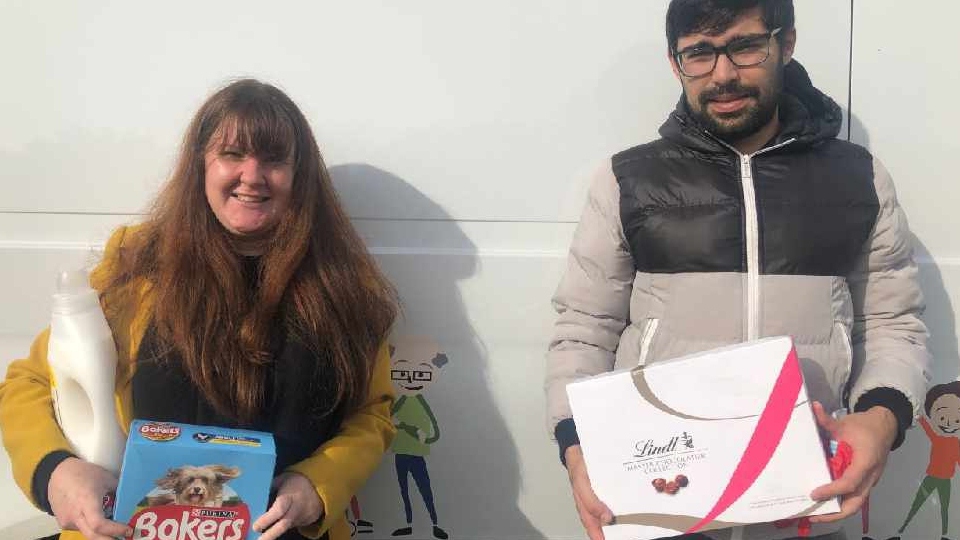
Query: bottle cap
72	282
74	293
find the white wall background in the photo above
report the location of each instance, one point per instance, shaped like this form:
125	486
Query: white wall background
460	136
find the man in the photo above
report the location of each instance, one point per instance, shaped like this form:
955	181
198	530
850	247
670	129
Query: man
747	219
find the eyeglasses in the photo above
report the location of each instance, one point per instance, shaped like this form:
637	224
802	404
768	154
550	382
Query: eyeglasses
701	60
410	375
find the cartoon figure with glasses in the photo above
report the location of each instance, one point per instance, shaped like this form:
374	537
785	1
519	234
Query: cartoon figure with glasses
415	364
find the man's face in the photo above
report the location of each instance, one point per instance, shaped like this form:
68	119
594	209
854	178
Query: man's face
735	102
945	415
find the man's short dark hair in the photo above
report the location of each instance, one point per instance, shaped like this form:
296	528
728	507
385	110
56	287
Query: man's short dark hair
714	16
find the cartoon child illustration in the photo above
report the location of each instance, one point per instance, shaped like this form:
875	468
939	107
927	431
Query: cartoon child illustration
416	361
943	410
358	525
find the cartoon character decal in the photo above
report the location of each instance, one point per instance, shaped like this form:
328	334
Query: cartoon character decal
358	525
942	426
416	363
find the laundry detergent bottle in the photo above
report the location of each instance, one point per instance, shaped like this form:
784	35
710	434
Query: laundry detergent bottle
83	365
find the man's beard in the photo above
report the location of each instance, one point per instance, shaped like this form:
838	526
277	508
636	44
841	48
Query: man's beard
732	127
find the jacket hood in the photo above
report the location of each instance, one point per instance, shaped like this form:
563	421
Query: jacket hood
806	114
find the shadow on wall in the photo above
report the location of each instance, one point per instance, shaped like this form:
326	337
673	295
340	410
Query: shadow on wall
940	317
474	465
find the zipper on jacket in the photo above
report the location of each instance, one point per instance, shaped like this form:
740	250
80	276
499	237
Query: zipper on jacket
752	231
752	211
752	241
649	331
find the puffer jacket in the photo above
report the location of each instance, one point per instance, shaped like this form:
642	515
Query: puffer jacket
686	245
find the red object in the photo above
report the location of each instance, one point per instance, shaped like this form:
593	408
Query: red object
803	525
355	507
837	464
109	500
177	521
682	481
659	484
672	488
841	460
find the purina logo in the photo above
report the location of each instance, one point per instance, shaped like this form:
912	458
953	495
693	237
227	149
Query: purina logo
650	448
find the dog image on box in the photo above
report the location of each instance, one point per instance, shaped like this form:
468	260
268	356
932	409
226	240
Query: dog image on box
193	482
193	486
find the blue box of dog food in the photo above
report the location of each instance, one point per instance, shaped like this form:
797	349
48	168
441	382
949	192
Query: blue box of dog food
180	481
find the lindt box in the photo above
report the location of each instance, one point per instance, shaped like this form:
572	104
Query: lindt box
713	440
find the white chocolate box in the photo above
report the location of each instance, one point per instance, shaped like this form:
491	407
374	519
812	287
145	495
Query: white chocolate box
735	422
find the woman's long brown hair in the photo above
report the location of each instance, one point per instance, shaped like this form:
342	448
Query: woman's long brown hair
315	273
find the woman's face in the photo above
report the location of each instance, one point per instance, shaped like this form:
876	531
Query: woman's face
248	194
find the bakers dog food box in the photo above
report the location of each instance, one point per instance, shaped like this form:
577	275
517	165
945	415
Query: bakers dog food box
186	482
713	440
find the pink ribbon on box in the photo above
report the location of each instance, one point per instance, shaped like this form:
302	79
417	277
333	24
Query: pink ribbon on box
766	437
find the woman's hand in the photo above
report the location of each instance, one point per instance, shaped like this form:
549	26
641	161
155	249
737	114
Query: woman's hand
75	491
297	505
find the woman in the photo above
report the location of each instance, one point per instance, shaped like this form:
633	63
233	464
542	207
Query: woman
245	299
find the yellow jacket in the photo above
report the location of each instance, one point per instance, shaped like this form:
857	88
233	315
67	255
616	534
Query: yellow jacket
337	469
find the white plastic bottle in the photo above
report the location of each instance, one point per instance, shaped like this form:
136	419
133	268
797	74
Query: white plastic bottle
83	362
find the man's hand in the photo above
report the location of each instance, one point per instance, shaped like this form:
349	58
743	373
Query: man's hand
870	434
593	513
76	489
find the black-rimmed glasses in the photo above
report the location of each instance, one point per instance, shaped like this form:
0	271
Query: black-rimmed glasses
411	375
701	60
